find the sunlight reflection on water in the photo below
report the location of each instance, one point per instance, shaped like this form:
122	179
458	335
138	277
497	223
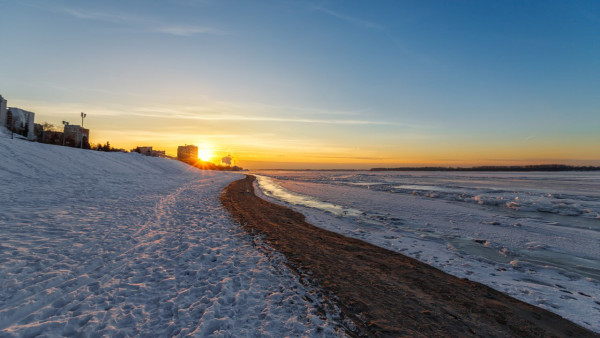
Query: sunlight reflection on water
274	190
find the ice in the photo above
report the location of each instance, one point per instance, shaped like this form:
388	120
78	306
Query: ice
570	194
269	188
115	244
546	253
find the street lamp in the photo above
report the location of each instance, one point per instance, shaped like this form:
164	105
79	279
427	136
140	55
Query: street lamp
82	117
65	123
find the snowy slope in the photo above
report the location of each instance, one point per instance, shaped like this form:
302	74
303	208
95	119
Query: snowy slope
114	243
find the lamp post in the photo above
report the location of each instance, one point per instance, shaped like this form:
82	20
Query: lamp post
65	123
82	117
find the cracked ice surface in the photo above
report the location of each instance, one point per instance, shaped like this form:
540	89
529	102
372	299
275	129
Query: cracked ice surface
545	252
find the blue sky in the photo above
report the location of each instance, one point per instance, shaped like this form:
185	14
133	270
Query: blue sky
317	84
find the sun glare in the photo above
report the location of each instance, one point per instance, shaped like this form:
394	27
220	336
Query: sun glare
205	152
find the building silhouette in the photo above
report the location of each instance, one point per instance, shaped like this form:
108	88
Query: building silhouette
3	111
20	122
187	153
74	135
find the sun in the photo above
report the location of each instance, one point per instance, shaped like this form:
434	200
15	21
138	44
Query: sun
205	152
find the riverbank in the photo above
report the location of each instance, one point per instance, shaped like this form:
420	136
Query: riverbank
383	292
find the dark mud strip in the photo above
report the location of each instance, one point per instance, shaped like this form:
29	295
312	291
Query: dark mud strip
385	293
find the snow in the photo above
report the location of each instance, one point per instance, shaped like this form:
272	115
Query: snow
545	254
115	244
95	243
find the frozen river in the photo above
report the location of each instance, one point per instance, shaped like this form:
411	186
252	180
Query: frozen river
535	236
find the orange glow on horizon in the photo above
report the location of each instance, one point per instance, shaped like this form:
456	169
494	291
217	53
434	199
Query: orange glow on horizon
272	151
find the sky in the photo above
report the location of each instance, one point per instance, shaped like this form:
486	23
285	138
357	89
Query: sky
316	84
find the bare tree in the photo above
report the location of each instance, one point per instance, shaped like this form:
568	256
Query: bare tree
51	127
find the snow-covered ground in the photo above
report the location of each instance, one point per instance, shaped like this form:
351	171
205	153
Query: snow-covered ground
534	236
116	244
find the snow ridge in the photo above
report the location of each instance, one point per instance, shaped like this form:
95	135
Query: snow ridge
122	244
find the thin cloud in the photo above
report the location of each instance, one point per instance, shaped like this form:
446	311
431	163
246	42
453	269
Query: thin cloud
209	105
100	16
353	20
146	24
531	137
162	135
372	25
192	3
254	112
349	157
229	117
187	30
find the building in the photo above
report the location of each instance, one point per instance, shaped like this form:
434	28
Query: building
145	151
187	153
148	151
159	153
3	111
46	135
74	135
227	160
18	120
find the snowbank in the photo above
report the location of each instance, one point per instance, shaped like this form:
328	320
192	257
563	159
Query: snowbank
115	243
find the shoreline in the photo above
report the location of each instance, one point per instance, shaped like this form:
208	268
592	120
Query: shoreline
383	292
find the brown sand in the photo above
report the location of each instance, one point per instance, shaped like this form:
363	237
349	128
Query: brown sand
383	292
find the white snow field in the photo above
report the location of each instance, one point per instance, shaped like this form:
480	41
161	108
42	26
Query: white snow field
534	236
116	244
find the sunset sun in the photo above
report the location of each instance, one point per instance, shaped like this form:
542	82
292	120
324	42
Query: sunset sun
205	152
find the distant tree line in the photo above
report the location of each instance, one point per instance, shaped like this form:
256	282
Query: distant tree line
47	126
535	167
105	147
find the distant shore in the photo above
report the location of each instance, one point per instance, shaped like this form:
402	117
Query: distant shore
516	168
385	293
525	168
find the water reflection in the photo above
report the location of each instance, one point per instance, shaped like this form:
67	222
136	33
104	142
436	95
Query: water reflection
274	190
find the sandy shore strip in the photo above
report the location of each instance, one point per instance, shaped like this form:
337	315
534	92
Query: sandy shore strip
385	293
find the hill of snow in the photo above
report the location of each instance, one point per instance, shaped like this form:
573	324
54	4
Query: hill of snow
123	244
